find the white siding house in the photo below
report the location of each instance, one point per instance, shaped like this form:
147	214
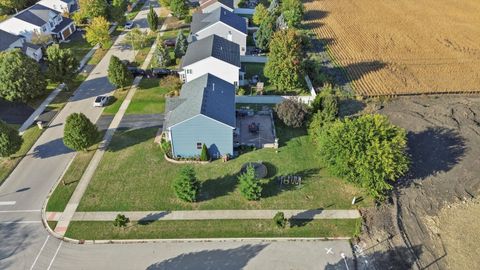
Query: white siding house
220	22
39	19
214	55
10	41
62	6
207	6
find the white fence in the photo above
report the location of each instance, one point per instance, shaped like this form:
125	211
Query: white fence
253	59
267	99
244	11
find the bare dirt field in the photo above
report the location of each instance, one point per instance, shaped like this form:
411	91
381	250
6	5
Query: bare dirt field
432	220
402	46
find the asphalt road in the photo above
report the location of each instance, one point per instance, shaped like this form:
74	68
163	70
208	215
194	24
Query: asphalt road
25	244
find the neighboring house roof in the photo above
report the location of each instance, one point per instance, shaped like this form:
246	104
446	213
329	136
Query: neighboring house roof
65	22
201	21
37	15
57	4
213	46
206	3
207	95
6	39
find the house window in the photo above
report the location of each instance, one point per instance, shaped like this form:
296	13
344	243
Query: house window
188	71
44	29
199	145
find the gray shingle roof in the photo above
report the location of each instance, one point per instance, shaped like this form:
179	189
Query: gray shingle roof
207	95
6	39
206	3
65	22
214	46
36	14
203	20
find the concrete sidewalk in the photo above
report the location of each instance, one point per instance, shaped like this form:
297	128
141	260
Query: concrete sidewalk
210	214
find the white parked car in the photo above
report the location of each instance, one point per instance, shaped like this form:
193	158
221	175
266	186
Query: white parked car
100	101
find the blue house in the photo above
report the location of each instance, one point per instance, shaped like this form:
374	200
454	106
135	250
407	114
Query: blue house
204	113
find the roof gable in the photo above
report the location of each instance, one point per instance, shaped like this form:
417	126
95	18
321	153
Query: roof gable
207	95
37	14
226	3
7	39
212	46
201	21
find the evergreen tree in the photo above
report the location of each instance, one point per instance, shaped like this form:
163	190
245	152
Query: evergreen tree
204	154
152	19
10	141
250	188
118	73
62	64
186	185
21	78
283	67
79	132
265	32
180	45
161	55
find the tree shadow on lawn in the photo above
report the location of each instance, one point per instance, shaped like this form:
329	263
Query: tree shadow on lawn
275	185
125	138
434	150
232	259
217	187
303	218
285	133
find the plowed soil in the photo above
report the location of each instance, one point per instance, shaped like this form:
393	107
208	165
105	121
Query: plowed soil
401	46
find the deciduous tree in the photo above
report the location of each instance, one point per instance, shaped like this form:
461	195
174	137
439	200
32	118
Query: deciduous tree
62	64
260	14
179	8
186	185
118	73
283	67
368	151
265	32
21	78
97	32
292	12
292	112
93	8
79	132
136	38
10	141
13	4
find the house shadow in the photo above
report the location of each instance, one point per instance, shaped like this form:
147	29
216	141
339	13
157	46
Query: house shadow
303	218
399	258
279	184
434	150
231	259
125	138
217	187
51	149
14	112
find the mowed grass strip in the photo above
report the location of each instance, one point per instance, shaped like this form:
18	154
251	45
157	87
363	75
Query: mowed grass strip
149	98
171	229
134	176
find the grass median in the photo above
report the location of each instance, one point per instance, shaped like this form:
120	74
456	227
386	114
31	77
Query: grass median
175	229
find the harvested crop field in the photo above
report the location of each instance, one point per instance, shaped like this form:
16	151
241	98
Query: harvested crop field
402	46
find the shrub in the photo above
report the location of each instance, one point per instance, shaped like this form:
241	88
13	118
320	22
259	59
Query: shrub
204	154
79	133
280	220
10	141
186	185
171	81
250	188
368	151
121	221
188	19
241	91
292	112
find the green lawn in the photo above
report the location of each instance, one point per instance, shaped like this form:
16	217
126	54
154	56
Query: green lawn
79	47
115	102
95	230
149	98
8	164
133	176
62	193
